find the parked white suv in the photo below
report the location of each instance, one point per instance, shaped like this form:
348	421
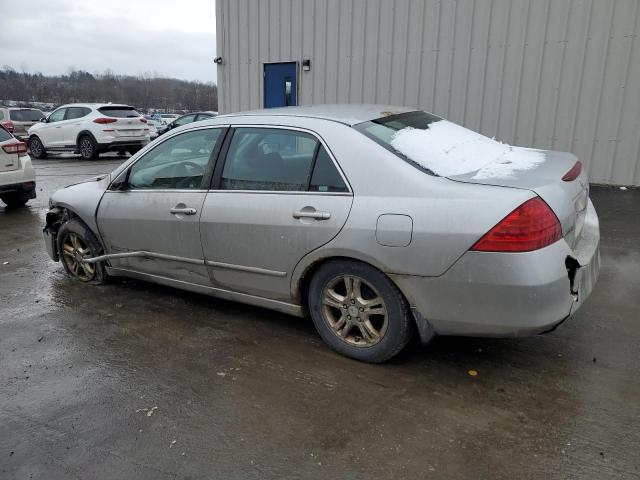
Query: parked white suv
89	129
17	176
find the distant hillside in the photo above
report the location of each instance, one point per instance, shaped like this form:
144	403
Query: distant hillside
144	91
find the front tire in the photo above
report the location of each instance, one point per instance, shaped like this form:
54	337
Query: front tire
87	148
359	312
75	242
36	148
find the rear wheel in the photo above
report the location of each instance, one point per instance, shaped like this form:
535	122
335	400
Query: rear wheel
76	243
134	150
37	148
359	312
14	199
87	147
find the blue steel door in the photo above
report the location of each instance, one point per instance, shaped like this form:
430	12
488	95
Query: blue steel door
280	84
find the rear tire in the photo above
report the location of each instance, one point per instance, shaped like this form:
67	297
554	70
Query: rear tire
134	150
359	312
36	148
87	147
75	241
14	200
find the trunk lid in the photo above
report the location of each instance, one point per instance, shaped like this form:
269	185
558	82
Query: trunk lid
128	122
568	199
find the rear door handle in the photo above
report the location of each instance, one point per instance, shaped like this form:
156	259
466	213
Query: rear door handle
311	214
184	210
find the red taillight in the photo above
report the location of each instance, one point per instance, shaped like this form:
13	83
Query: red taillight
143	120
8	125
19	147
573	173
531	226
104	120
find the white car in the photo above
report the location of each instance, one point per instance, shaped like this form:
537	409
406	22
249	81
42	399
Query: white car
89	129
17	176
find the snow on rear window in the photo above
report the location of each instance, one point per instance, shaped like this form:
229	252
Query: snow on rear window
448	149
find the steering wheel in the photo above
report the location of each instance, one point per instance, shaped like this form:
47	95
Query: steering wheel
191	171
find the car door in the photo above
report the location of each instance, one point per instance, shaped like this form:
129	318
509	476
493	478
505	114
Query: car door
278	194
71	125
154	206
49	132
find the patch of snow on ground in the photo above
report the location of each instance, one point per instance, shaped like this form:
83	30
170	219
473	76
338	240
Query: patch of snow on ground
448	149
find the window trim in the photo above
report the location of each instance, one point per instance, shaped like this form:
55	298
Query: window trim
206	177
222	159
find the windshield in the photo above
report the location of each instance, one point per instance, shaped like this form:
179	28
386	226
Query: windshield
119	112
382	130
26	115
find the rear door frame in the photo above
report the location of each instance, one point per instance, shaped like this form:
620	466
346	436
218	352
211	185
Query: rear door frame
279	292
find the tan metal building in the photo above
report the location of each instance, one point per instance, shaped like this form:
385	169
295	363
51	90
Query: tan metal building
559	74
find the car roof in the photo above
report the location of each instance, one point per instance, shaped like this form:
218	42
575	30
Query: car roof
95	105
349	114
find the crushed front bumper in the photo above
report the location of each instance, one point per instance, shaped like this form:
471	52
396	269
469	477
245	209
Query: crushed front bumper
509	294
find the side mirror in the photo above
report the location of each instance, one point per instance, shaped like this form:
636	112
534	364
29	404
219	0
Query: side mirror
121	183
43	120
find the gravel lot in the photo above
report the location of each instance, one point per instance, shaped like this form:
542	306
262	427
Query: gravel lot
133	380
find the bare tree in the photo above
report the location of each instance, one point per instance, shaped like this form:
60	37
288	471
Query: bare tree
147	91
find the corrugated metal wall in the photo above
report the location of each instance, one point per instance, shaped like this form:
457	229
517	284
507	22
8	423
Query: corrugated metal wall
560	74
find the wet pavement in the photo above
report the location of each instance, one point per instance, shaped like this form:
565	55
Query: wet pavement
133	380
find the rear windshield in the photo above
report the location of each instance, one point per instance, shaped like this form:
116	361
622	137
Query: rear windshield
4	135
119	112
382	130
26	115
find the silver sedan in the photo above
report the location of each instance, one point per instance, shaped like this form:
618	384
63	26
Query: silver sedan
379	222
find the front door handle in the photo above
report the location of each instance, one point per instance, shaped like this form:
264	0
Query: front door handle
311	214
184	210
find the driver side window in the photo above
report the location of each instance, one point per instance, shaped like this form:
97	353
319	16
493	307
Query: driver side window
177	163
57	116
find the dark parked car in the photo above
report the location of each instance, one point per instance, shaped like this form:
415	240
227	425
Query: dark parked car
185	119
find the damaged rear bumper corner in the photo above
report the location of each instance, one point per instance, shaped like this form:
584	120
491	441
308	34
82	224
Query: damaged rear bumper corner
508	294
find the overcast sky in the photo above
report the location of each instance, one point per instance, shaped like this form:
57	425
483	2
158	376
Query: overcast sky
174	38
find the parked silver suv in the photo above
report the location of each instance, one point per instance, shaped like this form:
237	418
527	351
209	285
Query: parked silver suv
18	120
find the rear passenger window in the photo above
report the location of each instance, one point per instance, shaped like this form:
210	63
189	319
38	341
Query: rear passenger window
76	112
4	135
326	177
268	159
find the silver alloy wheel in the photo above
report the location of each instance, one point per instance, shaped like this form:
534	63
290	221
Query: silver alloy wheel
354	310
35	145
86	147
74	251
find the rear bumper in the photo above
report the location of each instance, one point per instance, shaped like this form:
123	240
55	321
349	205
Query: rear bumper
21	180
122	145
26	188
508	294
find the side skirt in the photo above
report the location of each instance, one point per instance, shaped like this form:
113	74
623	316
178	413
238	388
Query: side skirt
284	307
